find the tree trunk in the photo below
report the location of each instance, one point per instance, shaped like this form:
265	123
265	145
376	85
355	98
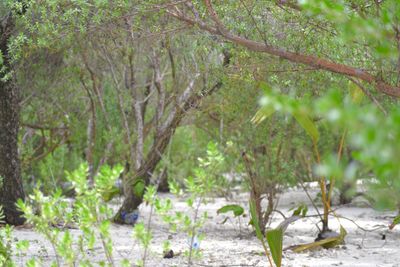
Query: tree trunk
11	189
163	185
133	199
161	140
255	194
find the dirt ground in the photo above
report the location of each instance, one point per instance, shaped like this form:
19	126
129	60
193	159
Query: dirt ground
234	244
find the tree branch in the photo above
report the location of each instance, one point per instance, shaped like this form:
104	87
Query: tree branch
309	60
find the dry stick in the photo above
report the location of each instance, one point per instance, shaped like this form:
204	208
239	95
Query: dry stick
326	198
281	213
360	227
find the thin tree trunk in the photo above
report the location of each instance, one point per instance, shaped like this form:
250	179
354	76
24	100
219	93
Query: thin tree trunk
133	200
11	189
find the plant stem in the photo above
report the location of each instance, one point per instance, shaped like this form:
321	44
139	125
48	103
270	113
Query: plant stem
267	252
196	213
148	230
339	156
108	254
322	184
52	242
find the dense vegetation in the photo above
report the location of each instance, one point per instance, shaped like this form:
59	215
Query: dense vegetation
105	100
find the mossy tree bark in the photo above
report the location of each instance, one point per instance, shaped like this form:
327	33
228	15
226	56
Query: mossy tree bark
11	189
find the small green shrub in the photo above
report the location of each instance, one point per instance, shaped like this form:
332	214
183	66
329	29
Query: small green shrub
198	188
52	215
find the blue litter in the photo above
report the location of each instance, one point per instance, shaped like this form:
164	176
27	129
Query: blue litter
130	218
195	244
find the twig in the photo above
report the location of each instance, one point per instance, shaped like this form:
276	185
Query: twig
281	213
312	202
360	227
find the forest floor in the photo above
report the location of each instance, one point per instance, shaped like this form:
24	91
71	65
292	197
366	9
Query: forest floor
234	244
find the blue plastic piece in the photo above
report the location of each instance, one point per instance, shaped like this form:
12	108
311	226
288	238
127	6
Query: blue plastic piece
130	218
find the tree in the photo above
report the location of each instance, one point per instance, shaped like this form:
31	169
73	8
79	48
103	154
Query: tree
348	23
207	19
11	188
141	83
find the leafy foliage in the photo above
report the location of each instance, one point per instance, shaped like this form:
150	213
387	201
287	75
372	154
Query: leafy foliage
89	212
99	81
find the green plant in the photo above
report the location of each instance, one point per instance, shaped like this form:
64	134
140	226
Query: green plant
372	135
275	240
89	212
143	234
261	159
259	233
141	231
237	210
274	101
198	188
5	241
6	250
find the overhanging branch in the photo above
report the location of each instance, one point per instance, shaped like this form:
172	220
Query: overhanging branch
309	60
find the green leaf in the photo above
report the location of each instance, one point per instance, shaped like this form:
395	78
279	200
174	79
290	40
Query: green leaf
275	241
300	211
395	222
108	195
263	113
236	209
307	124
22	245
138	187
254	219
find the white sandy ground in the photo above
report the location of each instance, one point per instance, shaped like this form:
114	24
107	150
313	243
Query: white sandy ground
233	244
